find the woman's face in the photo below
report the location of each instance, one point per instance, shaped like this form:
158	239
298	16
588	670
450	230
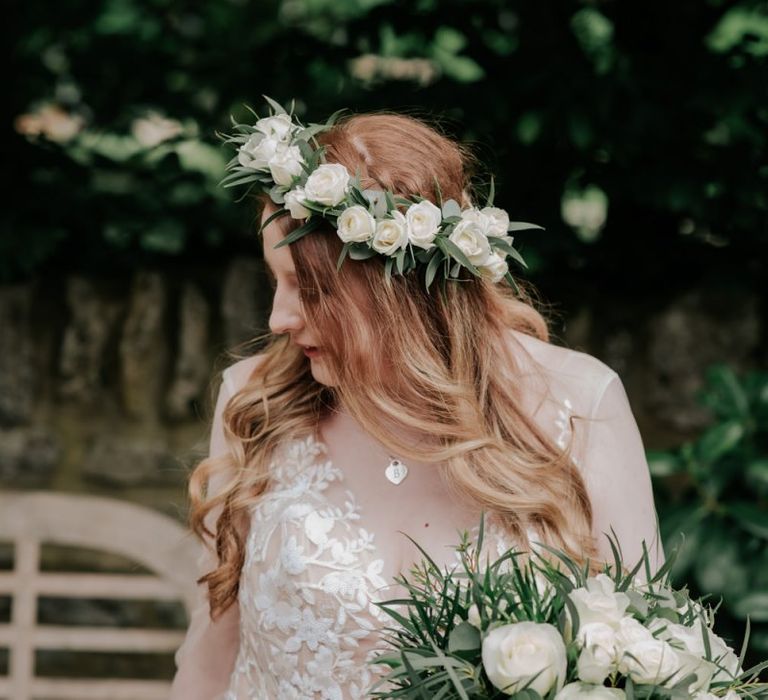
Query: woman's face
287	315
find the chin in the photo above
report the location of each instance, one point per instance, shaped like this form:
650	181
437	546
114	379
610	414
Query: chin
320	374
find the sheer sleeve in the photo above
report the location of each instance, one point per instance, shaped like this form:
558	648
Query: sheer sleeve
619	480
207	656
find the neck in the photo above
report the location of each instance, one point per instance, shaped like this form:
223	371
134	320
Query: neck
341	418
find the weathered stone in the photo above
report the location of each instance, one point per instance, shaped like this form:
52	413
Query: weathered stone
28	456
699	329
17	357
121	461
243	301
192	365
143	348
92	321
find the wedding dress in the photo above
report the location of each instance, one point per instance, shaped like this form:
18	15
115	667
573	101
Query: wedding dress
324	545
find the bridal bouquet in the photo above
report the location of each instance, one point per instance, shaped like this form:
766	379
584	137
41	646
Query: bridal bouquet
535	631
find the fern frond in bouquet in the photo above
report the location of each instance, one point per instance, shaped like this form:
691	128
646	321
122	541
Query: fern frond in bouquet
534	630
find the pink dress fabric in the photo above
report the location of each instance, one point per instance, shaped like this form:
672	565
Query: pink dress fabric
324	543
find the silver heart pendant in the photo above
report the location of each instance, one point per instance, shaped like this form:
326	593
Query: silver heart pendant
396	471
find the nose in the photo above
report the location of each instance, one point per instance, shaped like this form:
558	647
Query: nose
286	315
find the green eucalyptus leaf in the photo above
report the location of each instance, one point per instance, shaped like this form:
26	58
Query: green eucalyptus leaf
464	637
451	208
276	106
522	226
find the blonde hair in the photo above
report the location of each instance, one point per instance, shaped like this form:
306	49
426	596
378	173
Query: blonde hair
445	368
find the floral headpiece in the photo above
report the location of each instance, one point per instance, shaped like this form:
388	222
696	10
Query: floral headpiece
282	157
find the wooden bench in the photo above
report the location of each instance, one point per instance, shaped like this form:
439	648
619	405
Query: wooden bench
157	542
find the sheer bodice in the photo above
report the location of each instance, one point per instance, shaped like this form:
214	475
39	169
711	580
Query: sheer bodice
324	545
311	575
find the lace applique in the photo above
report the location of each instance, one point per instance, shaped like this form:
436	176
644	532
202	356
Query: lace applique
562	422
307	588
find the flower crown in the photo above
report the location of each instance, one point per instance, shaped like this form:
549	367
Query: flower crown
282	157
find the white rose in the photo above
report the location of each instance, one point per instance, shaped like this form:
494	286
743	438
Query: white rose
630	631
576	691
598	655
471	240
423	223
286	164
495	267
513	653
497	221
692	663
278	126
391	234
598	601
257	151
294	201
691	639
328	184
473	616
355	224
491	220
650	662
725	656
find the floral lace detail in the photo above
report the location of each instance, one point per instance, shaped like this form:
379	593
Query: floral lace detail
563	423
307	589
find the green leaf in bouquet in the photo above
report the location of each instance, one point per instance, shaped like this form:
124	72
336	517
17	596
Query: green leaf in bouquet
451	208
464	637
276	106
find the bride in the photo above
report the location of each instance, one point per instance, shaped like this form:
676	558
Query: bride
378	406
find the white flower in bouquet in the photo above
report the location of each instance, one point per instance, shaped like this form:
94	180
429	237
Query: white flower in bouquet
512	654
424	221
588	691
598	658
473	616
355	225
286	164
328	184
294	201
598	601
690	638
649	661
391	234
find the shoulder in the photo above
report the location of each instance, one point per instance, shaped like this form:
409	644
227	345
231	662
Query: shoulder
574	375
237	375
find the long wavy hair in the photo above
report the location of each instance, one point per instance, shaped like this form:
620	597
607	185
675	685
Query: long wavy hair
446	368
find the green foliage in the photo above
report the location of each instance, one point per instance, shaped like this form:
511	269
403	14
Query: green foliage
444	619
660	107
715	490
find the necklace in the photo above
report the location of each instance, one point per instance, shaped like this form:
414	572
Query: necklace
396	470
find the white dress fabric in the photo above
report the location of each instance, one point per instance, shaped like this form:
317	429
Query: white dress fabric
323	548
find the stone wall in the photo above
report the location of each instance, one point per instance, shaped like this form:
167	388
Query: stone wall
105	384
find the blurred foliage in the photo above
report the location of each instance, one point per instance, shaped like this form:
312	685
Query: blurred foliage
715	490
624	129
